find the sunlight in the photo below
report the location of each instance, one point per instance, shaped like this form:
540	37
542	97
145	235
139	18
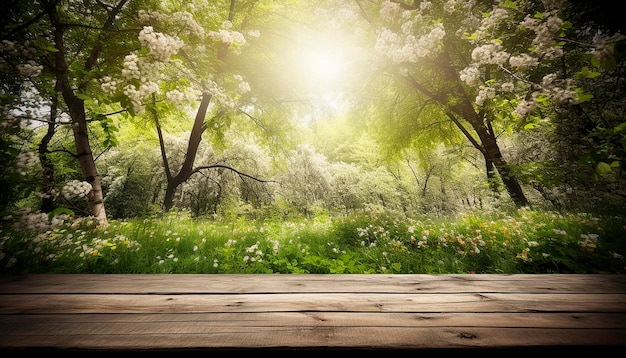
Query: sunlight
321	65
324	65
321	61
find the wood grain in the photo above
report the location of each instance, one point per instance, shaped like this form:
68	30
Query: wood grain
234	312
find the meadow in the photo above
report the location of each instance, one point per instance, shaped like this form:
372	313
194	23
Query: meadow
520	241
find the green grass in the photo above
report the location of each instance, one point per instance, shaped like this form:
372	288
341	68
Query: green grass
524	241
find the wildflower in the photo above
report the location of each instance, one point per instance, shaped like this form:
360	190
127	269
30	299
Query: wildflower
615	255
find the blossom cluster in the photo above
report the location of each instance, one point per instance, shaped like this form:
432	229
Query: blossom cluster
185	96
28	219
405	45
25	161
9	48
75	189
182	20
604	46
257	254
159	45
489	51
408	47
30	69
493	69
143	71
546	32
228	36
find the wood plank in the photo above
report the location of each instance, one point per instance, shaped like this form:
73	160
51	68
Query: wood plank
234	312
321	337
280	302
277	283
196	322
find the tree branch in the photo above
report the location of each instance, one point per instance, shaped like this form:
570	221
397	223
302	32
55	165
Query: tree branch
240	174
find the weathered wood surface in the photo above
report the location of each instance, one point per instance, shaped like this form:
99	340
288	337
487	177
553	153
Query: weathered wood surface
221	312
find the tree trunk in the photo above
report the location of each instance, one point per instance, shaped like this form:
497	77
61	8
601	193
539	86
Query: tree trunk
95	197
76	107
195	137
190	156
488	145
47	201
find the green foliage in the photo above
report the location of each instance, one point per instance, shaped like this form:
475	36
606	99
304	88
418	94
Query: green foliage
398	151
521	241
109	128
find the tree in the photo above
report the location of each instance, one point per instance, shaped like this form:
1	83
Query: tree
74	43
576	160
485	67
306	183
182	59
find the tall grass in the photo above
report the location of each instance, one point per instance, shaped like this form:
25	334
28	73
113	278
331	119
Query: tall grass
523	241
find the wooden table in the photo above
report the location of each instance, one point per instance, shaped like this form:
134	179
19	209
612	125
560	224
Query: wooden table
196	313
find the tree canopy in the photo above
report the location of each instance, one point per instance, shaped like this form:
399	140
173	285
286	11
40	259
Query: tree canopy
128	107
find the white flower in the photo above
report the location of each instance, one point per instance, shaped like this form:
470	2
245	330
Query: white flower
523	61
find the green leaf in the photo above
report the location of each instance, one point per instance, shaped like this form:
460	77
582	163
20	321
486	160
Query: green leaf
510	4
49	48
620	128
584	97
586	73
60	211
603	169
83	96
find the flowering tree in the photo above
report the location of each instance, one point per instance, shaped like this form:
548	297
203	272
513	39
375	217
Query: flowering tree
74	42
306	183
183	59
488	67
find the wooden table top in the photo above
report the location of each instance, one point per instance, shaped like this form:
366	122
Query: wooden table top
48	312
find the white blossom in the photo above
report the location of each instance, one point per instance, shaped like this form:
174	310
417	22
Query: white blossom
604	45
523	61
25	161
30	69
525	107
490	53
507	87
470	75
76	188
159	45
484	94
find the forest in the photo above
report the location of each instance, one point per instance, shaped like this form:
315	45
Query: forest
346	125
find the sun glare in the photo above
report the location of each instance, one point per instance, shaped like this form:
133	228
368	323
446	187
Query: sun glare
324	65
321	59
321	63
